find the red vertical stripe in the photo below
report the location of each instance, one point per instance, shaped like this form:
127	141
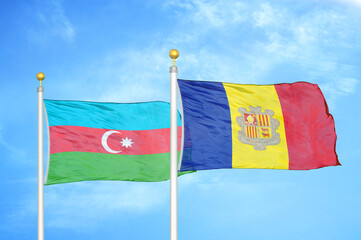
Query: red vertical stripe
247	131
310	128
256	132
264	122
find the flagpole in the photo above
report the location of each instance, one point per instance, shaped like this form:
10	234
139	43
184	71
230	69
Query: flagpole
40	76
173	148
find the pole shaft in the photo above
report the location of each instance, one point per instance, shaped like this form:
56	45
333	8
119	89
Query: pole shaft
40	91
173	155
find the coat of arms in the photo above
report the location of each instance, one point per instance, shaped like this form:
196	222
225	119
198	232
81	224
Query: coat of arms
258	128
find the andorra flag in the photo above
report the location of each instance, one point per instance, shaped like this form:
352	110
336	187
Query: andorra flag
281	126
108	141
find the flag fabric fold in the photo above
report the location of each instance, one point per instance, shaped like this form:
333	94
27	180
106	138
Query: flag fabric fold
108	141
281	126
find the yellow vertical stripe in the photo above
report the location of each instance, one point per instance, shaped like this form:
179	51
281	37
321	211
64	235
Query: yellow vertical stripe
267	120
244	155
259	120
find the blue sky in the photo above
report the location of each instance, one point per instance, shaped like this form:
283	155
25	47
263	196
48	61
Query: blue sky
118	51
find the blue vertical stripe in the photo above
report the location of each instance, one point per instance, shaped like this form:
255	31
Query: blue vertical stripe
207	126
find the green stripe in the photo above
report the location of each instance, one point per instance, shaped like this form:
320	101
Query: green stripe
68	167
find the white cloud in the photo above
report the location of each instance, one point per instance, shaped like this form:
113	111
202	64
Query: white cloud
313	44
338	87
83	205
135	75
53	22
211	13
267	16
348	85
356	3
306	41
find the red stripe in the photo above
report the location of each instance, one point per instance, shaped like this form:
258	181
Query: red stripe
256	132
84	139
253	133
310	128
247	131
264	122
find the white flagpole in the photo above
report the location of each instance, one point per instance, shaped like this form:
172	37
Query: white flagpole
173	148
40	76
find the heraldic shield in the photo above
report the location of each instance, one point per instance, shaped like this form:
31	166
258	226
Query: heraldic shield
258	128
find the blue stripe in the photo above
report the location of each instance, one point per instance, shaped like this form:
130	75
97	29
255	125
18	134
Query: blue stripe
122	116
207	126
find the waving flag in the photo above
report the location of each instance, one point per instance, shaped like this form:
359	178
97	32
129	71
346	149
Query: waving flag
282	126
108	141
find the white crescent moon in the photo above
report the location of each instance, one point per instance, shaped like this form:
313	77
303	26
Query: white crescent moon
105	139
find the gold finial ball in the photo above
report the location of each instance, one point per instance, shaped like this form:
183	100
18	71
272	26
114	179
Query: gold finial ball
40	76
173	53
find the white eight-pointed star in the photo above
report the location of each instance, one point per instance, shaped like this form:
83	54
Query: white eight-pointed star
126	142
